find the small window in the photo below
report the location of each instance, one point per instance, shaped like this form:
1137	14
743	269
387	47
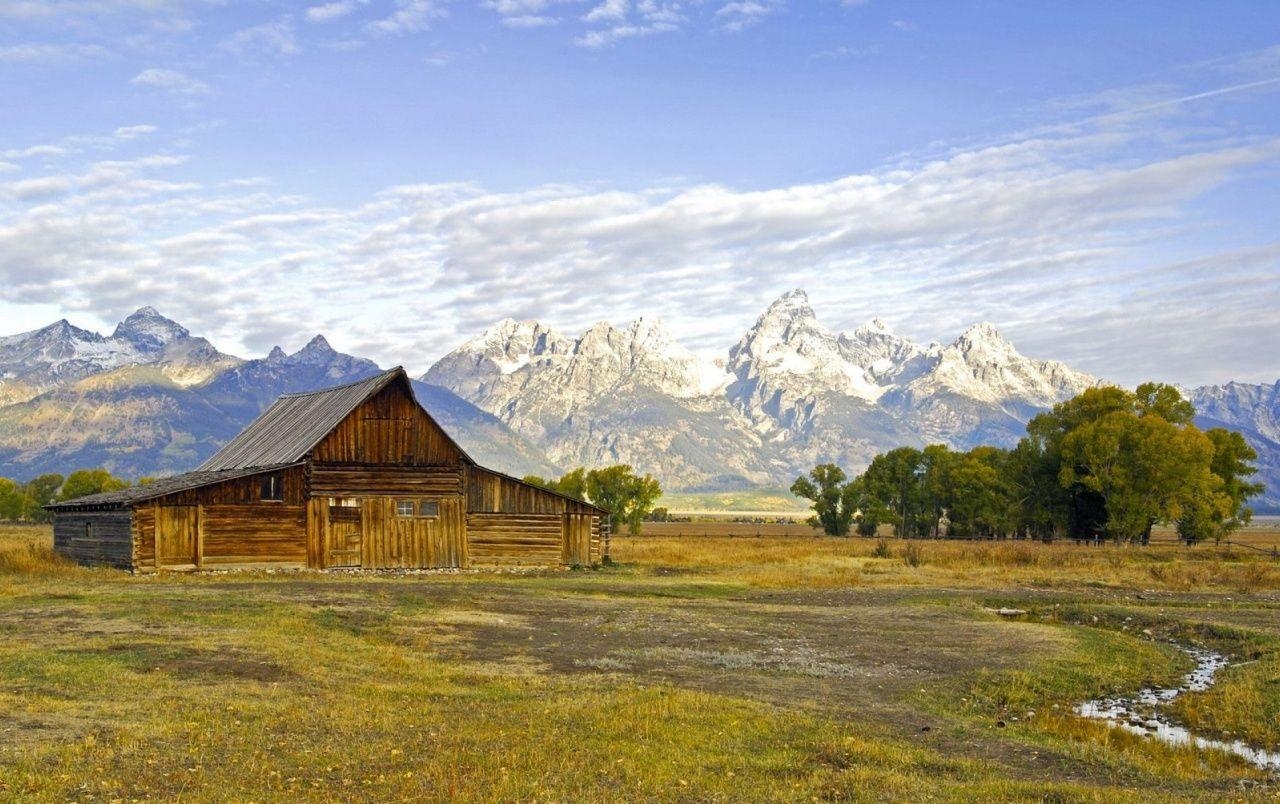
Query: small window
88	530
429	509
273	488
404	507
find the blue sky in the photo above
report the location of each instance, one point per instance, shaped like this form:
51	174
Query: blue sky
1097	179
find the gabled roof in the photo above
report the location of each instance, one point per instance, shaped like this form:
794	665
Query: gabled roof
161	487
296	423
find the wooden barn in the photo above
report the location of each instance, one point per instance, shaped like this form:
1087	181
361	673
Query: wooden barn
354	476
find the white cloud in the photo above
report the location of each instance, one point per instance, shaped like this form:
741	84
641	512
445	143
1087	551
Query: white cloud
170	81
46	52
410	16
648	17
846	52
34	151
1046	235
741	14
333	11
134	132
39	189
271	39
608	11
529	21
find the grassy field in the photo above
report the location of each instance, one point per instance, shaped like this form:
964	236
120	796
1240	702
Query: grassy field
710	668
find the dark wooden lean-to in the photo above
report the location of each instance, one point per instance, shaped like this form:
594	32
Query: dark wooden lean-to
354	476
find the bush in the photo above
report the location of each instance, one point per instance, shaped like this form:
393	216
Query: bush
912	555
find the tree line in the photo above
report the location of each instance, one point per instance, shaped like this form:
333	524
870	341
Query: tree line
1109	463
628	497
23	502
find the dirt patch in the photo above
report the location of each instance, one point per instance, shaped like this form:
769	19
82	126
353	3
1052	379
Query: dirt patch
186	662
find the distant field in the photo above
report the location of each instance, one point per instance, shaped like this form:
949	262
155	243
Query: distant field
766	664
1264	535
778	501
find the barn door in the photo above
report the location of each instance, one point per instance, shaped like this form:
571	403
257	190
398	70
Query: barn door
576	543
345	533
176	535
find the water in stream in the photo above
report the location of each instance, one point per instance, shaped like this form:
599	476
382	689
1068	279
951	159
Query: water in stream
1139	714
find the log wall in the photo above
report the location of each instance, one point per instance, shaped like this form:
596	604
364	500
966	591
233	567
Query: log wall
348	480
95	537
523	539
248	535
495	493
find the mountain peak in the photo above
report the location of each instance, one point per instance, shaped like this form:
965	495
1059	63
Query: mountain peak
318	344
792	304
149	331
276	353
984	331
61	329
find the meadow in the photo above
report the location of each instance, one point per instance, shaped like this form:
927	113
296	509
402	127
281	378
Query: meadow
713	667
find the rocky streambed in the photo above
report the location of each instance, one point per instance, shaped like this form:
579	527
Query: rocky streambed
1141	713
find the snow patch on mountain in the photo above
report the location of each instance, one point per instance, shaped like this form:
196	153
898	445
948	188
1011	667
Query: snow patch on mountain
36	361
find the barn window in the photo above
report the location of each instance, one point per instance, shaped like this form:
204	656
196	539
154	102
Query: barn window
404	507
272	488
88	530
429	509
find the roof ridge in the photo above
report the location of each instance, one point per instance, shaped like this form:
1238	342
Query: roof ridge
380	375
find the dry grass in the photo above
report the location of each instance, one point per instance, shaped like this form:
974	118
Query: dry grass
477	687
820	562
27	551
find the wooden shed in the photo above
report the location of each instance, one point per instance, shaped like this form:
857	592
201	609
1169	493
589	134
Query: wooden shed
354	476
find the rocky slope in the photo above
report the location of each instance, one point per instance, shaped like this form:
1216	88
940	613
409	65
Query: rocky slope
1254	410
612	395
791	393
37	361
153	400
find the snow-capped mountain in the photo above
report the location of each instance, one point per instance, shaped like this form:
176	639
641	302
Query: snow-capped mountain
1254	410
610	395
789	393
522	397
46	358
152	400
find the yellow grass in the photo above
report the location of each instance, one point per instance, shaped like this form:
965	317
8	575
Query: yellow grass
822	562
253	686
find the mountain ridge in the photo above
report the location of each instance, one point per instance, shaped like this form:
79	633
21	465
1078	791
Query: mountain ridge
524	397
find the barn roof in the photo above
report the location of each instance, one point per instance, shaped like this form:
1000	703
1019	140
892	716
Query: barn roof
161	487
295	423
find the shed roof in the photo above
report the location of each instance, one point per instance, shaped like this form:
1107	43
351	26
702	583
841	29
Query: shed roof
295	423
162	487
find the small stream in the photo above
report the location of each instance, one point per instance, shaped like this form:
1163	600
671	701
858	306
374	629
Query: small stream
1140	714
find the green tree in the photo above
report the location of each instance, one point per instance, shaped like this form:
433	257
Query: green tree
1216	516
1041	503
83	482
980	504
893	489
834	501
13	500
571	484
627	496
1165	401
40	491
1145	468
